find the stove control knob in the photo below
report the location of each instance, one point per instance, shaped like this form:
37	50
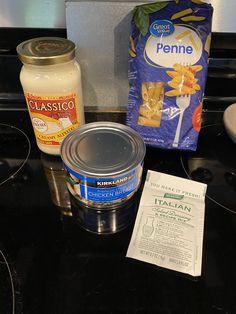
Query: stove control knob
230	178
201	174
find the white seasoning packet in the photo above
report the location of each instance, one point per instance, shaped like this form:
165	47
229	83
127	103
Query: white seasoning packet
168	230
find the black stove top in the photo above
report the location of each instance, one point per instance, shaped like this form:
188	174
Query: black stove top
214	163
60	268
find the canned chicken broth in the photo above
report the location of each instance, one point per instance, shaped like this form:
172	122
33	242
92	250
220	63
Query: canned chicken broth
104	161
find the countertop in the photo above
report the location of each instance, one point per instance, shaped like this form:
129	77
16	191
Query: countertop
60	268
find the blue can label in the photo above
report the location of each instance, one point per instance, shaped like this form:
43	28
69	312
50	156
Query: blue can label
104	190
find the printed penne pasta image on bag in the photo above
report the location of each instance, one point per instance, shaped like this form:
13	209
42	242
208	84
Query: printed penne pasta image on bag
168	60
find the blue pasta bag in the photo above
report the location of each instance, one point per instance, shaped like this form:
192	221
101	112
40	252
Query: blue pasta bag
168	60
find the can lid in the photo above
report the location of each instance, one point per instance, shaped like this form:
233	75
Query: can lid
102	149
46	50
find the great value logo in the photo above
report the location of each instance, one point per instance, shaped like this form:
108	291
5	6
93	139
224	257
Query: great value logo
183	45
161	28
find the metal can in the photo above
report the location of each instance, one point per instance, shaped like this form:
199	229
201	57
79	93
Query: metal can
105	220
104	163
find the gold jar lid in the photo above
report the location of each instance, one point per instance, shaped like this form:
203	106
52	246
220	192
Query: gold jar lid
46	50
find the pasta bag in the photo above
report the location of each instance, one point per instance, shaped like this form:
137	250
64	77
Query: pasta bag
168	60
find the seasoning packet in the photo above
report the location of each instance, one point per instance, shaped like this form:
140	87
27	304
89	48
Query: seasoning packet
168	230
168	59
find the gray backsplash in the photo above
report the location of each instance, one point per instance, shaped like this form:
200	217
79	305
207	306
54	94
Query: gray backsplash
51	13
101	33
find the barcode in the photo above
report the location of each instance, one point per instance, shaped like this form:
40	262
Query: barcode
152	254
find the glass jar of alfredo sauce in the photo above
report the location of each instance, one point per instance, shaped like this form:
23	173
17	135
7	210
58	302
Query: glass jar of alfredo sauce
51	80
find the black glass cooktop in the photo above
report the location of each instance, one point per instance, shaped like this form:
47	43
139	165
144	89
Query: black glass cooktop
214	163
60	268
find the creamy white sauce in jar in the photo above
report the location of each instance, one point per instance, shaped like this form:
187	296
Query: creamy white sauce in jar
51	80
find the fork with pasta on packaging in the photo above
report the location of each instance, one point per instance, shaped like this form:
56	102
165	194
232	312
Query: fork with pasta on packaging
168	60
